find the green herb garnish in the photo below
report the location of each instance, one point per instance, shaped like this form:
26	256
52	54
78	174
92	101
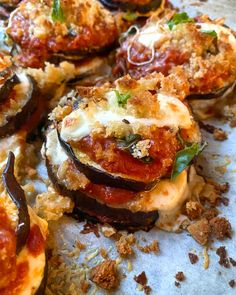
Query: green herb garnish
122	98
127	142
212	33
179	18
185	156
57	12
130	16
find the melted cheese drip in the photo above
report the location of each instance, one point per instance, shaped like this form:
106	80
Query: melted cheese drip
81	122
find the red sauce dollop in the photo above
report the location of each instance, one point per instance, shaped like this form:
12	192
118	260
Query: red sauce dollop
35	242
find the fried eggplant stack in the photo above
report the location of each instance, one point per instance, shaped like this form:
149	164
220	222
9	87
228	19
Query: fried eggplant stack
45	30
19	98
118	149
22	240
205	49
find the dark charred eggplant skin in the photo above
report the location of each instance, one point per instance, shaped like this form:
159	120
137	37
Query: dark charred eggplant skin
100	177
215	94
42	287
14	123
89	208
17	195
7	87
116	4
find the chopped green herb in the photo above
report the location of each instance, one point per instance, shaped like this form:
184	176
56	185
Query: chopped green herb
127	142
185	156
57	12
179	18
212	33
122	98
130	16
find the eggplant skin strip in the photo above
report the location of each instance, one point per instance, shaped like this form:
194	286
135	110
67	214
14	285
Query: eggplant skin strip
17	195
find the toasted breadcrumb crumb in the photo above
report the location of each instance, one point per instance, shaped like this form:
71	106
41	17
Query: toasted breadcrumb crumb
200	231
220	227
105	275
180	276
153	247
124	245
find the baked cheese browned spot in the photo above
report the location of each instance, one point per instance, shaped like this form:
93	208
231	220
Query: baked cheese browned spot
86	26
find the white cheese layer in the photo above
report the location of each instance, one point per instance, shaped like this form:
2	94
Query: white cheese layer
54	151
152	34
173	113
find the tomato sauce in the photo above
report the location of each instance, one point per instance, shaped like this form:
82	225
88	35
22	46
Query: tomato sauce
105	152
14	287
7	250
109	195
35	242
162	62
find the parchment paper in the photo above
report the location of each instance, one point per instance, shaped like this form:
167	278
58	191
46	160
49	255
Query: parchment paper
174	248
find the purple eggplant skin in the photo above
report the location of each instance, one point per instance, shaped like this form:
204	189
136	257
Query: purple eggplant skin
6	89
97	176
14	123
89	208
17	195
129	6
215	94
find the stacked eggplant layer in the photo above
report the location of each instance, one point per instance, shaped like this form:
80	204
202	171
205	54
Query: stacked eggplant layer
119	157
22	237
19	97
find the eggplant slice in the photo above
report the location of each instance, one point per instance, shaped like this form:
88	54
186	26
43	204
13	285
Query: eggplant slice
129	5
101	177
27	219
27	97
18	197
89	208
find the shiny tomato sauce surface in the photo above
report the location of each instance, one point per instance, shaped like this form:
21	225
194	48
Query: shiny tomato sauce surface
106	153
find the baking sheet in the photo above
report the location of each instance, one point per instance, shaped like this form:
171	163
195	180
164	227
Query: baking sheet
174	248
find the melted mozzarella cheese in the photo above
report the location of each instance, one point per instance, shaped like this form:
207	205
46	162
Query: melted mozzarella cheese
152	34
54	151
172	113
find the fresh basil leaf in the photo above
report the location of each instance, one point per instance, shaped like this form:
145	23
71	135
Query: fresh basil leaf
127	142
212	33
179	18
57	12
130	16
185	156
122	98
